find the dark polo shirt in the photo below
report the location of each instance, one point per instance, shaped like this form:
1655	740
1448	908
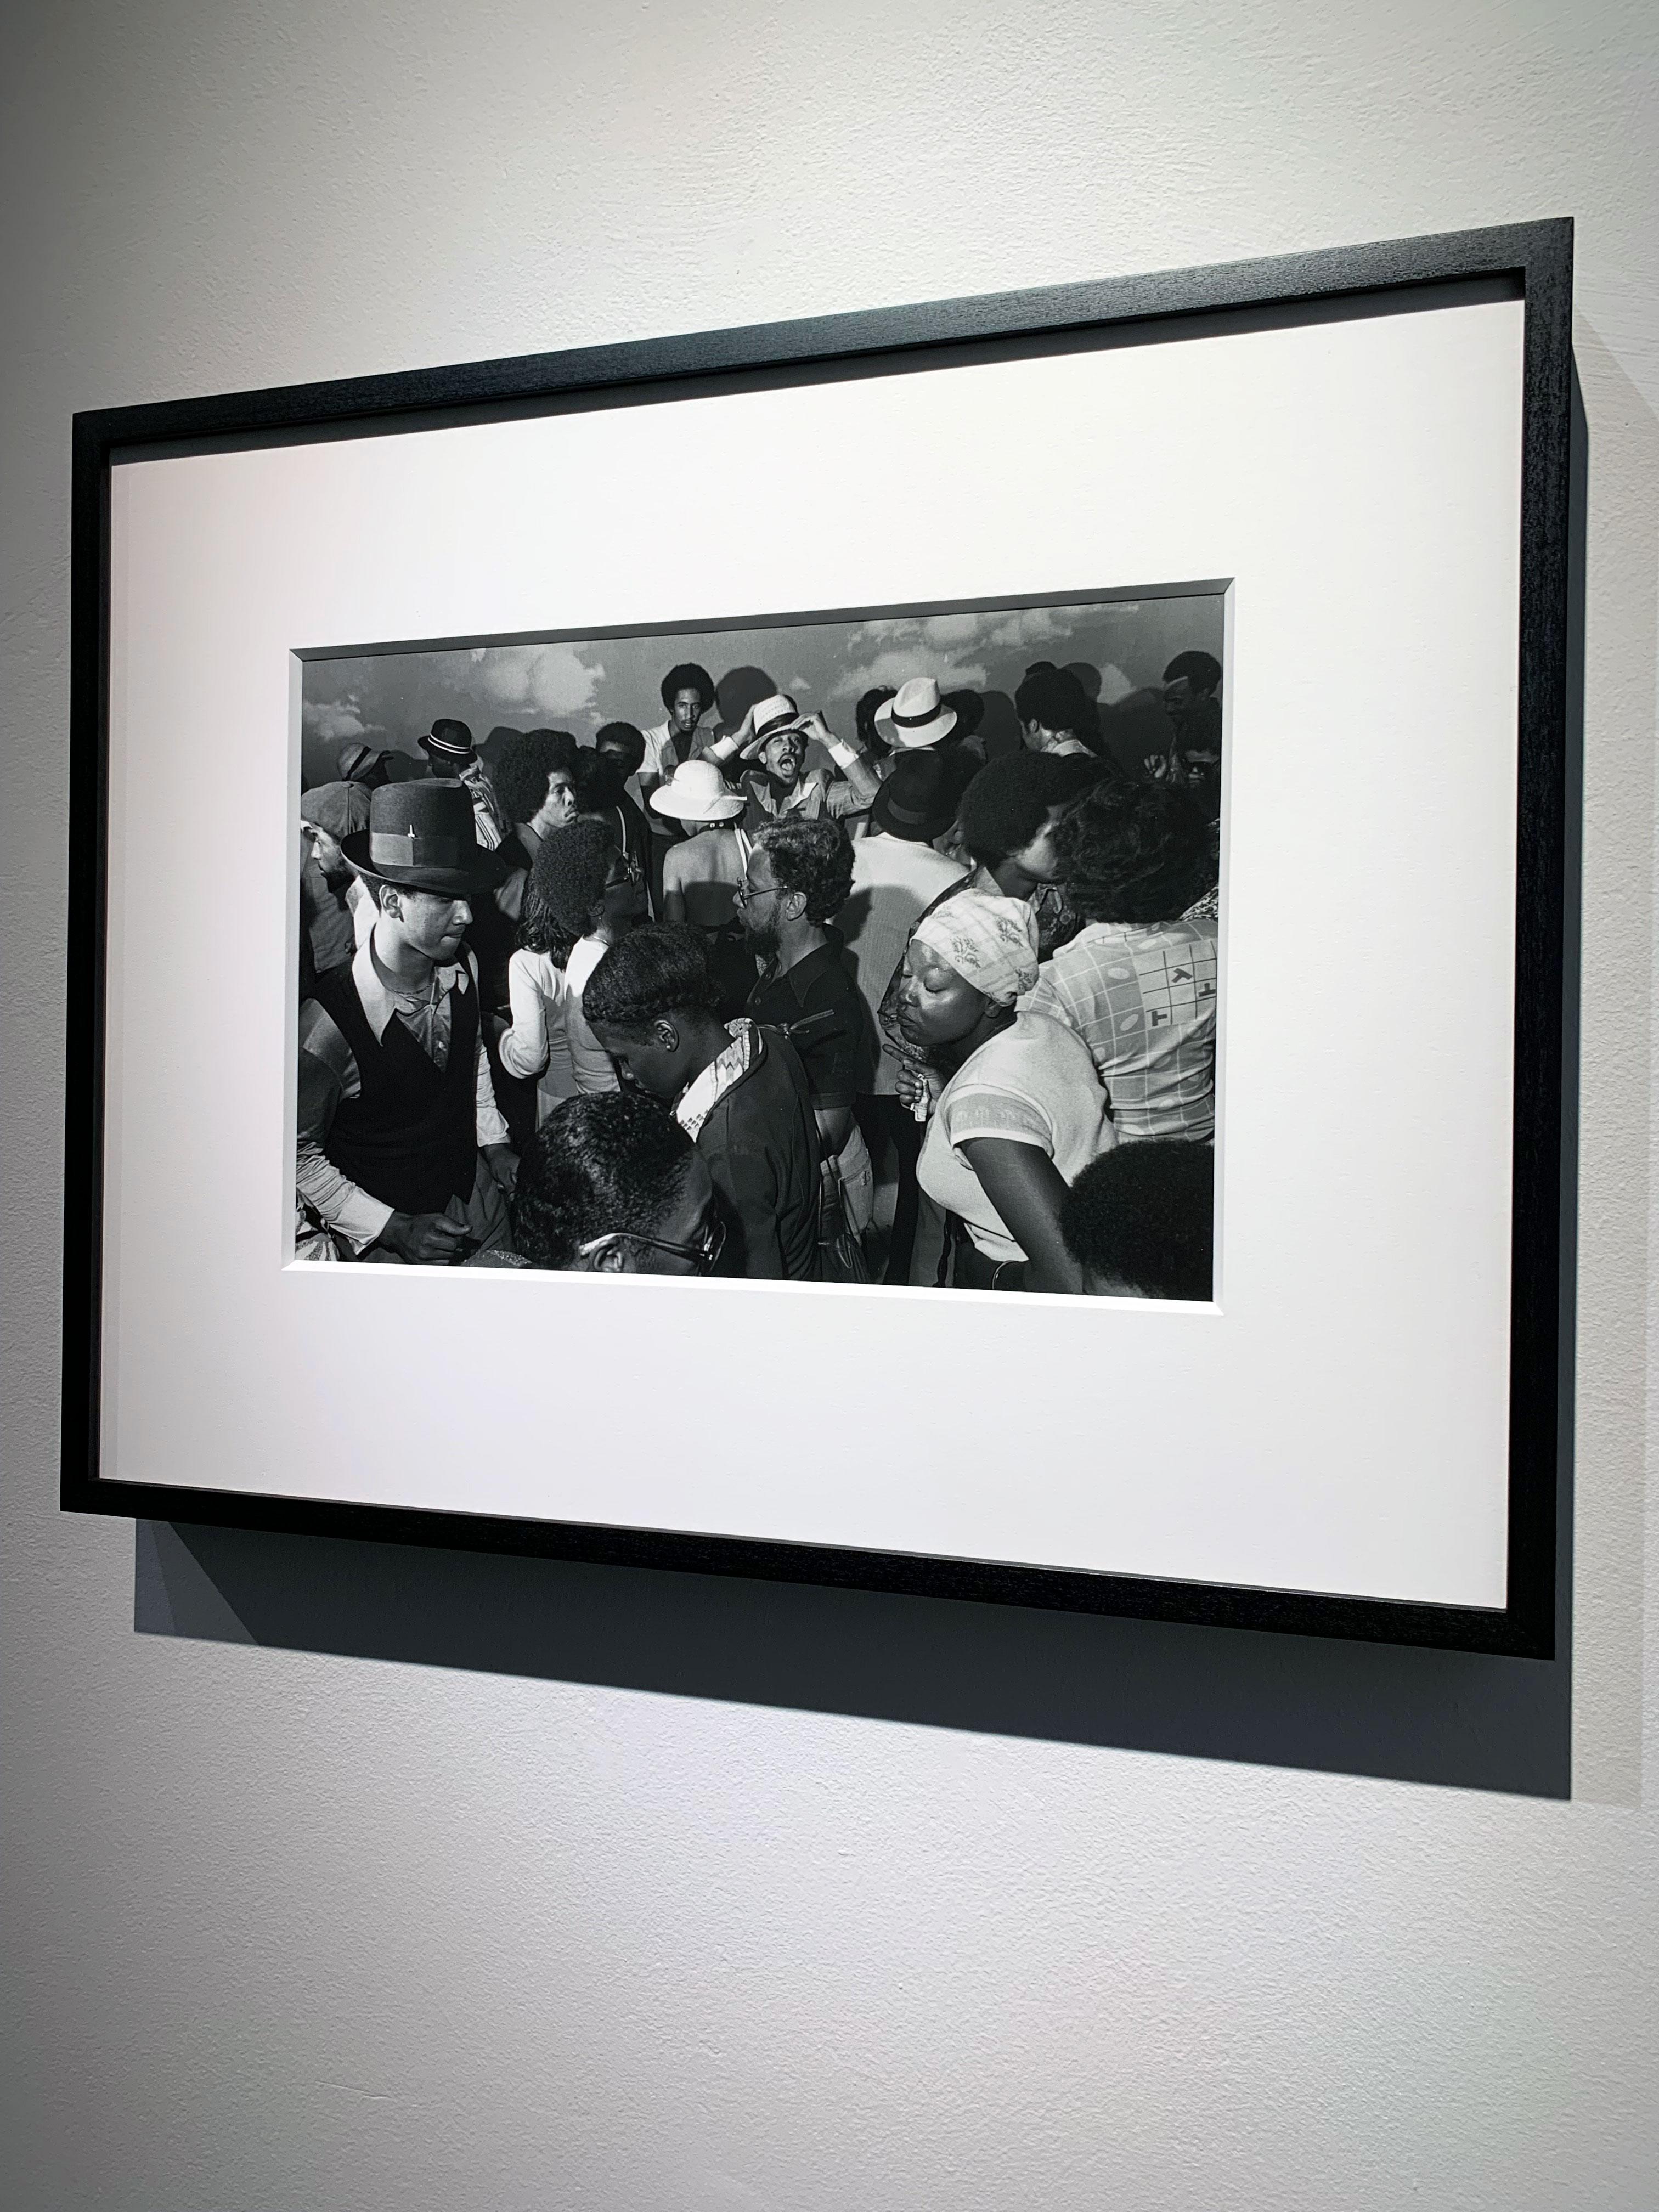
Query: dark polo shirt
817	1005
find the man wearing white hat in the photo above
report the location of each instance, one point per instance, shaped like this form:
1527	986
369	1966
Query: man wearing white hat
915	716
775	735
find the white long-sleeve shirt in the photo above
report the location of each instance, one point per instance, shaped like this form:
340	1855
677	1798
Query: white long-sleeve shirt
549	1038
329	1073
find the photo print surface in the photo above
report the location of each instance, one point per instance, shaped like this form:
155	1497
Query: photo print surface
873	947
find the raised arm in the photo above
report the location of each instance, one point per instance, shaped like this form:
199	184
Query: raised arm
859	771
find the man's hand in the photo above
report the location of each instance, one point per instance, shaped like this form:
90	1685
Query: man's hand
503	1163
426	1239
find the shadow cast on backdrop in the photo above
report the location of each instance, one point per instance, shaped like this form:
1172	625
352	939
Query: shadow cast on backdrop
1392	1711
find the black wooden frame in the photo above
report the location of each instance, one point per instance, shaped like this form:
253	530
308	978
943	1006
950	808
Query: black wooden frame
1532	261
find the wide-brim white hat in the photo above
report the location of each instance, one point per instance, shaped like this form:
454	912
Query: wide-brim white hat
697	791
915	715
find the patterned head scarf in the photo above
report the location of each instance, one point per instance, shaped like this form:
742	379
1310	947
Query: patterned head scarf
991	942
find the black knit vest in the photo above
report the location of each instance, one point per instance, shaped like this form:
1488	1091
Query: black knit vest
410	1137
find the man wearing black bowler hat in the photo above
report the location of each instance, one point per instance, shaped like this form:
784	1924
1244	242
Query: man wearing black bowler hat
448	746
403	1153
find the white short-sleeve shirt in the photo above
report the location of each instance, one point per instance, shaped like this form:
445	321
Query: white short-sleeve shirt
1034	1084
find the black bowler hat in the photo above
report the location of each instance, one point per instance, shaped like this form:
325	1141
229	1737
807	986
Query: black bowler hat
422	835
448	746
918	800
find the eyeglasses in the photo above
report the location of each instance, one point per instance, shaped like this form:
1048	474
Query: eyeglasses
745	893
704	1254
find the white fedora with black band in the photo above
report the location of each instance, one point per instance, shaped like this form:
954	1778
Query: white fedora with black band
775	717
915	715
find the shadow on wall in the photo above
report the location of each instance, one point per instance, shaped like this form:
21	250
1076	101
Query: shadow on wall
1391	1712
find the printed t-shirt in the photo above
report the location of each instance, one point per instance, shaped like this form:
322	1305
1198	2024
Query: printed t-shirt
1143	1000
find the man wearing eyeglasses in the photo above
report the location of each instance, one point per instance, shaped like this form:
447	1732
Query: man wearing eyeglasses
610	1184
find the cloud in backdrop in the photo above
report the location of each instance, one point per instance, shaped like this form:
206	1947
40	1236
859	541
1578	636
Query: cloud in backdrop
390	699
337	721
543	682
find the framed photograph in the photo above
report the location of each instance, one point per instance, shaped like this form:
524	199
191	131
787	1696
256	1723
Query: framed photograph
922	949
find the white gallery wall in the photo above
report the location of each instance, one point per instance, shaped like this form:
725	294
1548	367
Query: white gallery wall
288	1929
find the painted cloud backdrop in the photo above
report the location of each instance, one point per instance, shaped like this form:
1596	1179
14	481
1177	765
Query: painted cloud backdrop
389	699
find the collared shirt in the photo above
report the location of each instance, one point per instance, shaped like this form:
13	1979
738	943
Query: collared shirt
816	1004
329	1073
1143	1000
749	1116
730	1064
662	750
817	793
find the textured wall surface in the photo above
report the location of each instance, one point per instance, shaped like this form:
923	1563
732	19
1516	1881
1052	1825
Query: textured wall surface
296	1927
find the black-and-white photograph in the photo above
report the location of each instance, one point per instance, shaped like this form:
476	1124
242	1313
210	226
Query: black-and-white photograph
864	949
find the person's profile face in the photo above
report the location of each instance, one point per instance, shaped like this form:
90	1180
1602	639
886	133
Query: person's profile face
1042	739
757	904
1039	858
558	809
645	1059
1178	698
433	923
687	709
936	1005
326	851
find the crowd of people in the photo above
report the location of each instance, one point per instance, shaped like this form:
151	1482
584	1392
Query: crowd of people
770	1001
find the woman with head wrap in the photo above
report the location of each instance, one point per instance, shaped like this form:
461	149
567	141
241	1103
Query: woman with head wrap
582	898
1021	1112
